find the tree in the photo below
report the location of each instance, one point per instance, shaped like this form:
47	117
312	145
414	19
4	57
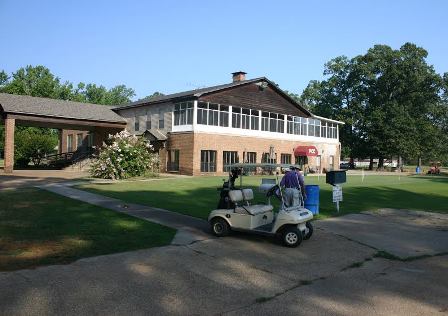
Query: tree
391	101
153	96
38	81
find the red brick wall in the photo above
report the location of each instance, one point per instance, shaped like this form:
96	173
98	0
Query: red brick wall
190	146
9	145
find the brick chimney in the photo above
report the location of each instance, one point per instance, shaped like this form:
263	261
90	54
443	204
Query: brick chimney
238	76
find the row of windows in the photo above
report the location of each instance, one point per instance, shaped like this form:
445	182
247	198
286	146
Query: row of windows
208	159
161	123
218	115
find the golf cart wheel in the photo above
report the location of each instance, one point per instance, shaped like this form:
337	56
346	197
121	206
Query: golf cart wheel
220	227
291	237
308	235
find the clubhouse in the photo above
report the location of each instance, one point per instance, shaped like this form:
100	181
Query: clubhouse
196	132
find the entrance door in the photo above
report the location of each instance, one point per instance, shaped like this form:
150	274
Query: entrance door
173	160
302	161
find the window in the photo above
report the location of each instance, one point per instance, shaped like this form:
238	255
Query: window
310	127
223	115
183	113
202	113
285	159
208	160
303	126
318	163
79	139
265	121
69	143
266	158
90	140
245	118
254	118
228	158
276	123
136	124
331	164
323	129
161	120
148	122
173	160
250	157
332	132
236	117
317	128
213	114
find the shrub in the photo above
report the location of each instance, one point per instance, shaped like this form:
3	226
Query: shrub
124	156
33	144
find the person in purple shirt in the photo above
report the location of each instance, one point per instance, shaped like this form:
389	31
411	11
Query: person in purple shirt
292	182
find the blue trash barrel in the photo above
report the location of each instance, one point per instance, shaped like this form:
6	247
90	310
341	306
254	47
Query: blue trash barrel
417	170
312	198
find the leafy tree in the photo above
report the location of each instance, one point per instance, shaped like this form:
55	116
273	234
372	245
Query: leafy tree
155	95
391	100
33	144
38	81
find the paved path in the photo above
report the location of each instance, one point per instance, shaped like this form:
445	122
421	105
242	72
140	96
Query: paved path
190	229
239	275
402	233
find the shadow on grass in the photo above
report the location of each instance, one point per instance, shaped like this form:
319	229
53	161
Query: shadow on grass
38	227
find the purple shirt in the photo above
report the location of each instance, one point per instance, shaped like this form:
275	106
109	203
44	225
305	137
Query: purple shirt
292	179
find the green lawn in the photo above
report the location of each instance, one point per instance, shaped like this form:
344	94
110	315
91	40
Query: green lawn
38	227
1	162
197	196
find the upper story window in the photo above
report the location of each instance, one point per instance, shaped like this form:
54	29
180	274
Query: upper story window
276	122
265	121
213	114
136	123
161	120
332	130
245	118
183	113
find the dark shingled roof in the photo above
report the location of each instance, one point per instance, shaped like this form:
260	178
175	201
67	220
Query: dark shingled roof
190	93
200	92
23	104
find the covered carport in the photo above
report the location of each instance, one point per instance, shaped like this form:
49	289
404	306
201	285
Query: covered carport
58	114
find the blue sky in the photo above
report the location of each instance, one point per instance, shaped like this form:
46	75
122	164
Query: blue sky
172	46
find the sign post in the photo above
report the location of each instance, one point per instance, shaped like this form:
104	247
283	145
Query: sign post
337	195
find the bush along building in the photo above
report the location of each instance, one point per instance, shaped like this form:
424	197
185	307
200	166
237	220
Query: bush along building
196	132
201	131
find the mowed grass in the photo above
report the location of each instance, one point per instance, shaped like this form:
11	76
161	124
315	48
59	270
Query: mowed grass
38	228
197	196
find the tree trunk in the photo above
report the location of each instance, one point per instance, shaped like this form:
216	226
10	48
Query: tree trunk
381	163
400	163
419	161
371	164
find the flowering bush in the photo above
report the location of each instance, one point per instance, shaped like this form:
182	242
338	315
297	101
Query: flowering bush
124	156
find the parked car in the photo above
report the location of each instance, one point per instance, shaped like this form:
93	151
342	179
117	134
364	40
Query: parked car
344	166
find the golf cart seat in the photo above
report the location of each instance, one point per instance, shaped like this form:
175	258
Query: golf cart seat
242	199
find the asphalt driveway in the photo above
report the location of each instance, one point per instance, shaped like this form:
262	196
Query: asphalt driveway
333	273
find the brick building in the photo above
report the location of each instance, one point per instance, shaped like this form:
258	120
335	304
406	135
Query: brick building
196	132
200	131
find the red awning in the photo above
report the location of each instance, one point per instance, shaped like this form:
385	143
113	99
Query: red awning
305	151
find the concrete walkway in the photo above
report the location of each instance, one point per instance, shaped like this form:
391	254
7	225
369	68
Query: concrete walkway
190	229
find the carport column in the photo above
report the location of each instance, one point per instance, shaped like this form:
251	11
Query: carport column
10	124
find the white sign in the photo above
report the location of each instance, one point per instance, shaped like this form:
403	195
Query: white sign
337	193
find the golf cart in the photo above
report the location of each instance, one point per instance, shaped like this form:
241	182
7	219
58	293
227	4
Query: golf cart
237	212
